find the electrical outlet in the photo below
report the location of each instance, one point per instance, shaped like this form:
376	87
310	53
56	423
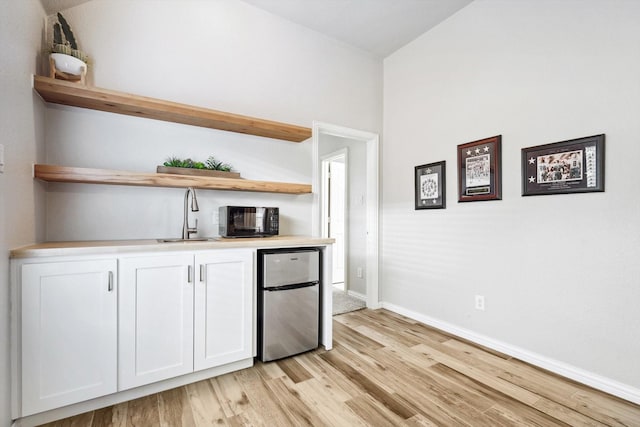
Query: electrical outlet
359	272
479	302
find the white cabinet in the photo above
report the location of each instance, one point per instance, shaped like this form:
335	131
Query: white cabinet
174	321
94	326
223	328
68	333
156	318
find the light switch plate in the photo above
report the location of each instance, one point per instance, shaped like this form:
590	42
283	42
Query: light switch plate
1	158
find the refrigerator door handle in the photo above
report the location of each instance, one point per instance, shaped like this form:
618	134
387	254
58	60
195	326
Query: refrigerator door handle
288	287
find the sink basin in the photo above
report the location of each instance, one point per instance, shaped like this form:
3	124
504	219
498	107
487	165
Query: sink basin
194	239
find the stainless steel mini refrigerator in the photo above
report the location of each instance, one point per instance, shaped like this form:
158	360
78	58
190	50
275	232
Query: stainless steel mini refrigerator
288	302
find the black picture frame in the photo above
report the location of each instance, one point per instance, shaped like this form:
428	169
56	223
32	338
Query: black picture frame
430	186
480	170
572	166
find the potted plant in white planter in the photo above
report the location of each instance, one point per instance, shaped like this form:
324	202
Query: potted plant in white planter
66	60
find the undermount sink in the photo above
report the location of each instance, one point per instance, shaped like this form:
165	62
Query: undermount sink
193	239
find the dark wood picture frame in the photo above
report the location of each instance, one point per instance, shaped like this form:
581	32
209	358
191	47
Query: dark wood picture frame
430	186
480	170
572	166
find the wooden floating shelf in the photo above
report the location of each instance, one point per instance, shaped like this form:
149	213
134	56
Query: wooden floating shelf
52	173
78	95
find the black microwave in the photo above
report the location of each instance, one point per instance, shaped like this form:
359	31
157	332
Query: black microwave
248	221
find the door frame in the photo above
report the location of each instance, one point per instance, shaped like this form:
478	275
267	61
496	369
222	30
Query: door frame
372	147
343	154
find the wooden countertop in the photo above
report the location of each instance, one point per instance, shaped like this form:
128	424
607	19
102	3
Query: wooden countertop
116	247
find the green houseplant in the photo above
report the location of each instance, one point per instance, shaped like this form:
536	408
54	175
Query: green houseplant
210	167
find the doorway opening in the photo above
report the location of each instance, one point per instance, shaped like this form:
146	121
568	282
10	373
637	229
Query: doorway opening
361	233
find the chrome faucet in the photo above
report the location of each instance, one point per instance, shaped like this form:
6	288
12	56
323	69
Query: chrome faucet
186	230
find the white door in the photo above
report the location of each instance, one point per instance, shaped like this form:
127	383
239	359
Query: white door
334	201
156	318
223	330
337	208
69	333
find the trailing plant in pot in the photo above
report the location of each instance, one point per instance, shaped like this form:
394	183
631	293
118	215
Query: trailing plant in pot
66	60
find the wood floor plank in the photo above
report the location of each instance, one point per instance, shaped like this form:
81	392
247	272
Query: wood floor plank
336	384
387	337
503	386
111	416
418	421
457	394
467	404
174	408
607	409
364	356
297	410
472	385
384	370
408	387
268	370
432	411
370	412
261	399
205	406
498	362
294	370
501	416
508	406
143	412
250	417
426	334
486	362
82	420
230	394
389	326
410	359
569	394
332	410
385	319
542	383
355	339
567	415
383	396
373	368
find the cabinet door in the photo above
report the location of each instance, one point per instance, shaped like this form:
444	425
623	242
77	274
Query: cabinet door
156	318
223	307
69	333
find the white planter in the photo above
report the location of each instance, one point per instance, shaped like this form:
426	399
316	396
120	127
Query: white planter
69	64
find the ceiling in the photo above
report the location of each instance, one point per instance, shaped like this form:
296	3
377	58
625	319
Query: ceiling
379	27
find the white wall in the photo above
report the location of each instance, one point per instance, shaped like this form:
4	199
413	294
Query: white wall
22	130
560	274
356	219
224	55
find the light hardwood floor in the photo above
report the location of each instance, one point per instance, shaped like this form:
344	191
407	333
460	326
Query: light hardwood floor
384	370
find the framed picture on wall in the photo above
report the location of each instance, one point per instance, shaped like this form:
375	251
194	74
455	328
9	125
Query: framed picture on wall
480	170
573	166
430	186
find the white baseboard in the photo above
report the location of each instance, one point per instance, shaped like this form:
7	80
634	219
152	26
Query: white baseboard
357	295
596	381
